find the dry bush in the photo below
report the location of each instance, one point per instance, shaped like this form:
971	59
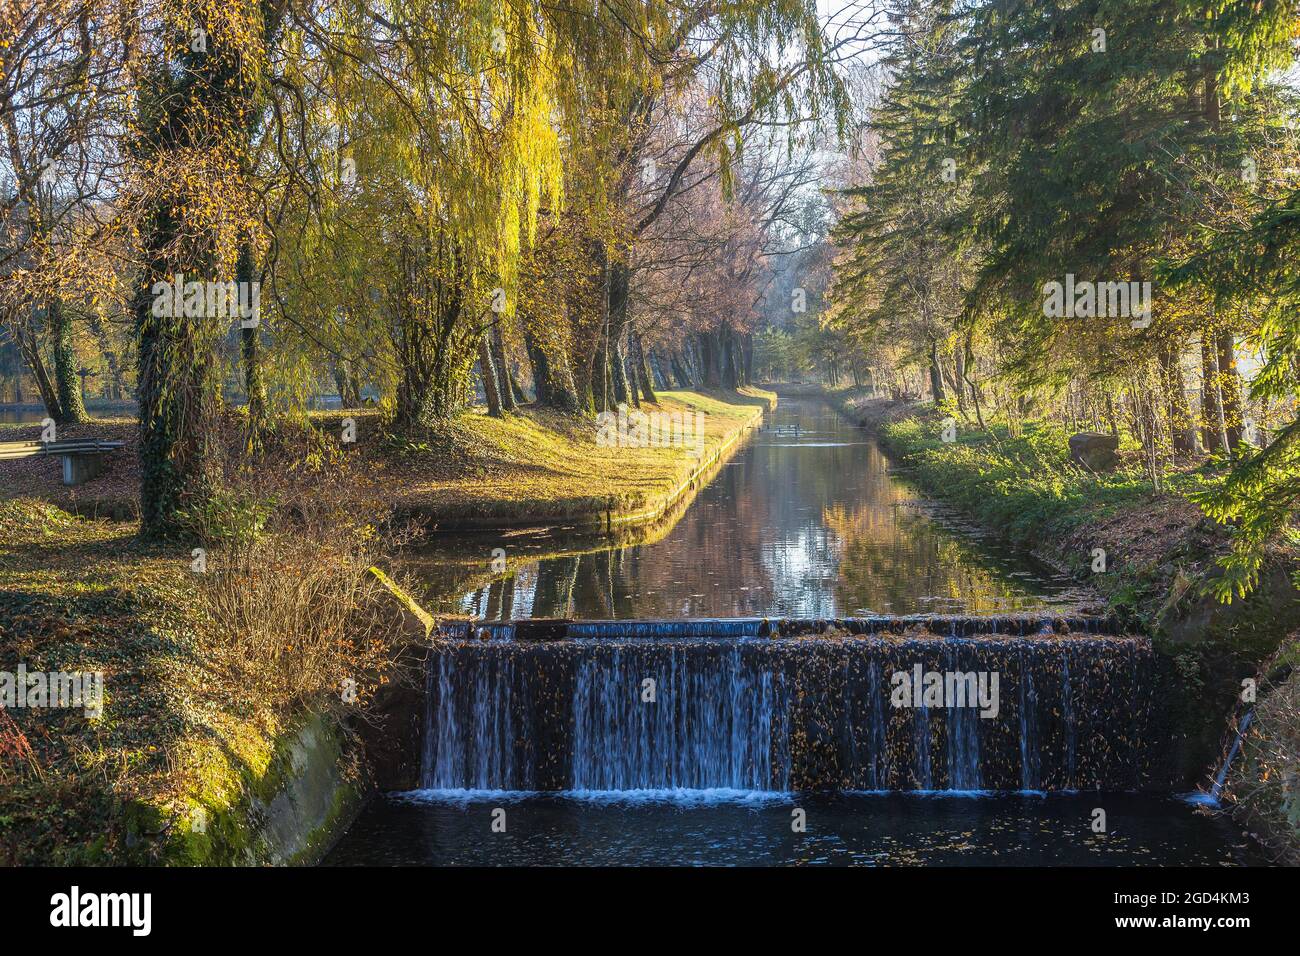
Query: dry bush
289	538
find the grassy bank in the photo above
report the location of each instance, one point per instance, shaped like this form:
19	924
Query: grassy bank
221	686
532	468
1159	551
540	468
84	595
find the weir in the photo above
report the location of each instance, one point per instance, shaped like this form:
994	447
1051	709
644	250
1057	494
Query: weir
760	704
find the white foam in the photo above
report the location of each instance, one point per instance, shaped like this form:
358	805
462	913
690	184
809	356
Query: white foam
680	796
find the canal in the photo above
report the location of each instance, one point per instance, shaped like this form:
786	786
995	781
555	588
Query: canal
749	752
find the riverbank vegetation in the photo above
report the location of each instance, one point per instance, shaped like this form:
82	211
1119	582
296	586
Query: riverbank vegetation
532	468
209	659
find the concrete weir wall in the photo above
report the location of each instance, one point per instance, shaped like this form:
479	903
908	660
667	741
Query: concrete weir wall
289	814
313	805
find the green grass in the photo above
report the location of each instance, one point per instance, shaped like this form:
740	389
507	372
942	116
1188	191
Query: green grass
537	467
1025	485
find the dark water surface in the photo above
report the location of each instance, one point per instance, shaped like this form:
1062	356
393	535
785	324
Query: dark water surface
807	521
864	829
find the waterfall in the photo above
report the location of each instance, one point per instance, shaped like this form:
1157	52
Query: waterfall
685	710
1221	777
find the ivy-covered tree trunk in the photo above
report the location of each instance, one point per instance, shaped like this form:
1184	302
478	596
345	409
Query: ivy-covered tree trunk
435	347
173	351
552	376
175	397
198	100
72	410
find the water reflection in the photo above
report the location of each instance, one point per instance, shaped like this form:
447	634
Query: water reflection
21	415
807	521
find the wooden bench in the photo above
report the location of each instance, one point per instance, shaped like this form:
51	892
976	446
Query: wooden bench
83	458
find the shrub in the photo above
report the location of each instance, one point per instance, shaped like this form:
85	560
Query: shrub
287	586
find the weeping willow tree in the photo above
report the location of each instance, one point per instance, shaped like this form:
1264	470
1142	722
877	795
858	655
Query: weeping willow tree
652	93
414	158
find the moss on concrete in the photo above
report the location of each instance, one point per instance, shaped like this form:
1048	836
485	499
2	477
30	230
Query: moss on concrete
288	810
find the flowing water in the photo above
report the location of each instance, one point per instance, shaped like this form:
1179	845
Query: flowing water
658	740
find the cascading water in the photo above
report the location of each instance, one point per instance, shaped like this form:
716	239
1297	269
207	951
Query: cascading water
684	710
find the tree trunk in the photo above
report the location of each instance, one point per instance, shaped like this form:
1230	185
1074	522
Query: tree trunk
505	380
31	353
680	372
710	377
72	410
177	408
435	356
488	373
1234	423
1212	431
345	382
959	377
618	372
1182	430
250	351
551	375
612	348
936	374
642	368
630	375
176	405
